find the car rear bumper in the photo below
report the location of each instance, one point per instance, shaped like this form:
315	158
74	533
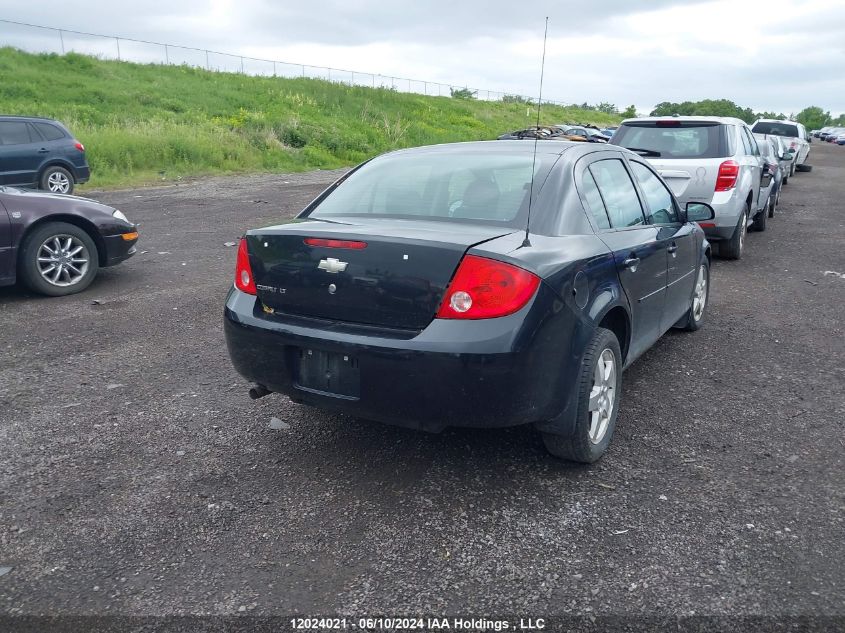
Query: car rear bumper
82	174
491	373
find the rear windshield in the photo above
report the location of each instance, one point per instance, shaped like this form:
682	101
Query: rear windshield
778	128
460	187
654	139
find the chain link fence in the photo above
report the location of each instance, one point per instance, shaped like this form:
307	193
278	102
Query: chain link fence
44	39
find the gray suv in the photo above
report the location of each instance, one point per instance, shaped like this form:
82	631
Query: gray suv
714	160
37	152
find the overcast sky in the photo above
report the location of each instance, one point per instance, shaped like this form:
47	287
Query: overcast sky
778	55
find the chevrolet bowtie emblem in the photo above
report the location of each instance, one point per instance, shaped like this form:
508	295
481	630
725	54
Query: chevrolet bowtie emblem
332	265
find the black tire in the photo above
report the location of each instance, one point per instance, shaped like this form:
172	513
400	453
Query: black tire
762	217
792	169
804	168
56	179
694	318
28	264
774	203
579	447
732	248
785	180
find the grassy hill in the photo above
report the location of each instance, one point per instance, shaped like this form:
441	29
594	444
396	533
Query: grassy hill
146	122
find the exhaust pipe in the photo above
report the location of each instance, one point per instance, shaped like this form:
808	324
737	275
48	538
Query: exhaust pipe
259	391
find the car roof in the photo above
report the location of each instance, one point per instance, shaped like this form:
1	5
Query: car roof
25	118
706	119
549	146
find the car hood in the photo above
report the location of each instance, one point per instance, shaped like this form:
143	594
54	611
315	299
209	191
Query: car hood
15	197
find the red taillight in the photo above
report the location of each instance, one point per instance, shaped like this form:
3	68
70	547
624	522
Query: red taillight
79	146
485	288
243	271
707	225
317	241
728	172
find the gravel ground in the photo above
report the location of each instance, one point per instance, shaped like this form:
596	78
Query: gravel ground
137	477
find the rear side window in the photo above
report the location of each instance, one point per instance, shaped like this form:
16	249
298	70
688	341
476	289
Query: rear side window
49	131
14	133
779	128
595	205
673	139
618	192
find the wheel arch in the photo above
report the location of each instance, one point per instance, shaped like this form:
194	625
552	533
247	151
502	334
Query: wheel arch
57	162
616	319
78	221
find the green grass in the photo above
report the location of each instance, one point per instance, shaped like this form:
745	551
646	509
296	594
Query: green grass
142	123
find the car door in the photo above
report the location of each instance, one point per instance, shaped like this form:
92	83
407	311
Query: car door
675	236
754	164
6	253
640	260
19	157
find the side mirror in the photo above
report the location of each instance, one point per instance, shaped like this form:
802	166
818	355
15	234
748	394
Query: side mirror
699	212
766	169
791	150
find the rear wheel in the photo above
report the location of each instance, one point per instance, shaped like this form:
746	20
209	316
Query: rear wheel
762	217
732	248
56	179
58	259
804	168
774	203
599	390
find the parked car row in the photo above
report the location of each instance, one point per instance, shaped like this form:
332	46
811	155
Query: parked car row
737	169
831	134
581	133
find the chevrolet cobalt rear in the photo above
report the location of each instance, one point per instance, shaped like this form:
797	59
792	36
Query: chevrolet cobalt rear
472	285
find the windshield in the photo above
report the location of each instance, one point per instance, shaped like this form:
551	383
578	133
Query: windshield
779	128
673	140
455	186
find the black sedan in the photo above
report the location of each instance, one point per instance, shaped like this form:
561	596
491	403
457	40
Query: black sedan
56	243
455	286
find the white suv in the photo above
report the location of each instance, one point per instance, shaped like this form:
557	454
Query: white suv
796	137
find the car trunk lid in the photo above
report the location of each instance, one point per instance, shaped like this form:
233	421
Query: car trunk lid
396	280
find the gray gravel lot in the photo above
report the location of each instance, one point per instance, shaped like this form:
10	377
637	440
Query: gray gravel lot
136	476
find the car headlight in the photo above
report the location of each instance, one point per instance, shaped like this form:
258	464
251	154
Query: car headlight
120	216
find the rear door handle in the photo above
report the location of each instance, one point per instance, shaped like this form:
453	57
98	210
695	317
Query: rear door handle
43	150
673	249
631	263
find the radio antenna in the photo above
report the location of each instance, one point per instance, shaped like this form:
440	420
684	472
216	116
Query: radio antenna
526	241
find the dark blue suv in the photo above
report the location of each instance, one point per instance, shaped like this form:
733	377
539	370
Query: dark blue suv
42	153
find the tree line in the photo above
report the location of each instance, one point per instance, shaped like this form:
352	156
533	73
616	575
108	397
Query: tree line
812	117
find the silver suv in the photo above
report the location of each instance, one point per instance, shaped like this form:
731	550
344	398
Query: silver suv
704	159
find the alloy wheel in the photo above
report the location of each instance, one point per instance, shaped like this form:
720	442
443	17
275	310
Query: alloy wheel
63	260
699	297
57	182
602	396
